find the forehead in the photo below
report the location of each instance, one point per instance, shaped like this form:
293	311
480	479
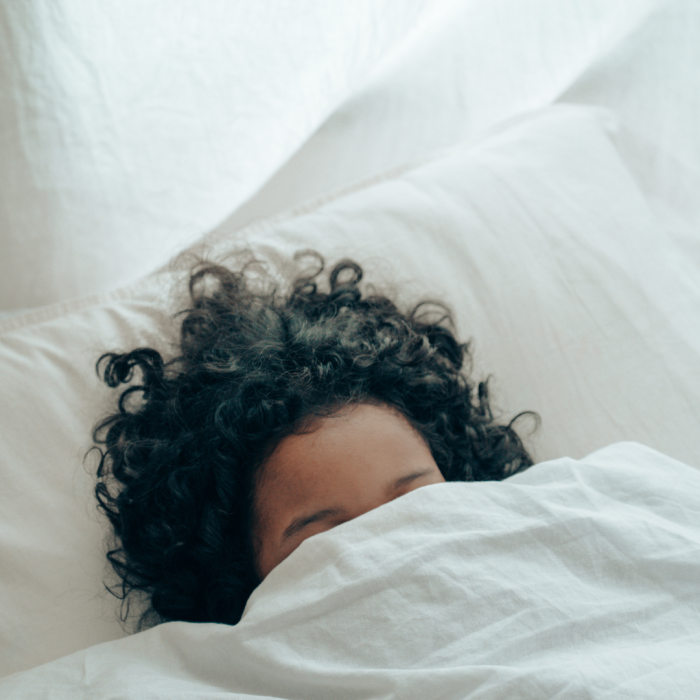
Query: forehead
359	432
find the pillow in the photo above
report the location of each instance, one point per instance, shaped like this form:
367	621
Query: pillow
129	128
573	579
537	235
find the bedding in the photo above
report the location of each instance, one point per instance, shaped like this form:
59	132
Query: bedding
129	128
565	238
114	160
597	333
576	578
478	63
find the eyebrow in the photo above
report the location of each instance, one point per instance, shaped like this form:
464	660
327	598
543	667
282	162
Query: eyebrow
298	524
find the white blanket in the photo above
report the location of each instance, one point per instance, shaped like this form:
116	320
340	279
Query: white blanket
575	579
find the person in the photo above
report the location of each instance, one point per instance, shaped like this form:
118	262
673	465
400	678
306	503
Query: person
281	416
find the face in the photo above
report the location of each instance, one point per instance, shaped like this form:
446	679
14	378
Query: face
348	464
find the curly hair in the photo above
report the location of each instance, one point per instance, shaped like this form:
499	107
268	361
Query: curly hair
177	473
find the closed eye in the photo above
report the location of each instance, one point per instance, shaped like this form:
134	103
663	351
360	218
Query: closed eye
298	524
302	522
409	479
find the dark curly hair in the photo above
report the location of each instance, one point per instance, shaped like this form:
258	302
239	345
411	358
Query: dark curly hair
177	473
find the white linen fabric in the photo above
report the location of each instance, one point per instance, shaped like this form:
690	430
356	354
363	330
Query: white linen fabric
566	239
121	144
128	129
538	236
573	579
479	62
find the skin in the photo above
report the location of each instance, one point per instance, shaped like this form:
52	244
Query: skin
347	465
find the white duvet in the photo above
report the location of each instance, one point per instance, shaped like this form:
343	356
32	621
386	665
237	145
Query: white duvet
574	579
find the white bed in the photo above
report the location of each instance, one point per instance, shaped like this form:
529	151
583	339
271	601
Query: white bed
536	165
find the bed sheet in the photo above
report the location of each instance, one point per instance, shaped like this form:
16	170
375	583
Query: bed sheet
128	129
114	161
476	64
573	579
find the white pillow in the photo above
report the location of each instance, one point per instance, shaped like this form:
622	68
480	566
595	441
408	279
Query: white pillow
537	235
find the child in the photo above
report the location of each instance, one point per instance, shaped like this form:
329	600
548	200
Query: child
282	416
